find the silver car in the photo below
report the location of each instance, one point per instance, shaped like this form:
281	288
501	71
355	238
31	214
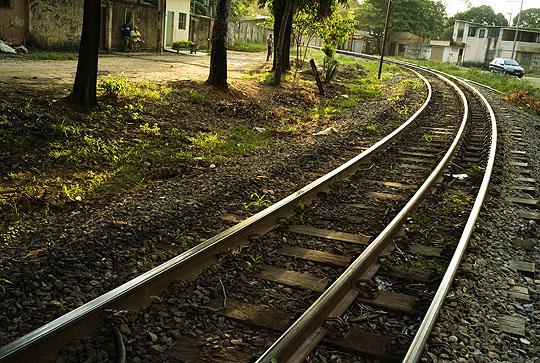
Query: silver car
506	66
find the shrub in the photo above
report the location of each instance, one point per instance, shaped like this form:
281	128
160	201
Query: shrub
182	44
113	86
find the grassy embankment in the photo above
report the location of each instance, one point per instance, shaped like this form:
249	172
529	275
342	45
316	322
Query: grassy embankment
142	132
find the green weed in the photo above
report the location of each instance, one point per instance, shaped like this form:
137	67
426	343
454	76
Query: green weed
2	282
371	128
49	56
113	86
253	259
258	201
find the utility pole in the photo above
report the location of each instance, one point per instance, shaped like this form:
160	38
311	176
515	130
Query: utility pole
517	29
385	35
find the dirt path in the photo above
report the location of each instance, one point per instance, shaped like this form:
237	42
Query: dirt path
135	66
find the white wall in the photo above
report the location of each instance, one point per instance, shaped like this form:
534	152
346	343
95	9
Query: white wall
178	6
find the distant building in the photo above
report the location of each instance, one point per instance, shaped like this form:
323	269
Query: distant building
480	44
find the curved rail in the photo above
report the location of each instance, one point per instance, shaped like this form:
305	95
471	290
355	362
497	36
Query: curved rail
296	343
415	351
136	292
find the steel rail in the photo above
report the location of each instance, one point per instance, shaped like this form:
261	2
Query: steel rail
417	346
136	292
306	332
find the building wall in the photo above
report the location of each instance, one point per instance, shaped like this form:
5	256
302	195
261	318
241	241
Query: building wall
145	17
177	7
418	51
14	22
55	23
247	31
201	31
535	63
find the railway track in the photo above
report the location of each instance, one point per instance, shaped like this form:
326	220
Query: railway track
344	260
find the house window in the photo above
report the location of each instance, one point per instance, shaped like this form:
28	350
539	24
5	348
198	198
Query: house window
472	32
493	33
526	58
460	33
482	33
6	3
181	21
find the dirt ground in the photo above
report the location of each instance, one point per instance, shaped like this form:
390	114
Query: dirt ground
136	66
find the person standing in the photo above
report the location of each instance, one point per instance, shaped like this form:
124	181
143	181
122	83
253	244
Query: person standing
269	43
126	35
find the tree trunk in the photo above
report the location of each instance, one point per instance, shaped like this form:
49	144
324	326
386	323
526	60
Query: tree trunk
218	58
279	7
84	87
280	64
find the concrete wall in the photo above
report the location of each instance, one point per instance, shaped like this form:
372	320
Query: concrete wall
535	63
418	51
247	31
145	17
14	22
55	23
177	7
201	31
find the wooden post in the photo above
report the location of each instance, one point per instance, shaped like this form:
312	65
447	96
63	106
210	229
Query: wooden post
319	83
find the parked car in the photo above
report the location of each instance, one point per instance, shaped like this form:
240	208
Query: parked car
506	66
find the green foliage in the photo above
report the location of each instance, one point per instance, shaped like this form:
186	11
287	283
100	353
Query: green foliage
427	138
301	210
371	128
425	18
483	14
2	282
182	44
248	47
253	259
530	18
146	129
330	65
500	82
113	86
258	201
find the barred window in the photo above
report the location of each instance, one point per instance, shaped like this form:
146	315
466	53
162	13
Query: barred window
493	33
482	33
6	3
181	21
526	58
472	32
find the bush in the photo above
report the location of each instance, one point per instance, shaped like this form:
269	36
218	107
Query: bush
113	86
182	44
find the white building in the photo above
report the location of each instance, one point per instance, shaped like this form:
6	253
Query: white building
482	43
177	21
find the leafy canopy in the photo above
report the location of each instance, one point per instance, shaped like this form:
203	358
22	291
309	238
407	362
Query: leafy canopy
483	14
425	18
530	18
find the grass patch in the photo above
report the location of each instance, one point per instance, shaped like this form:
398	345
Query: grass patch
249	47
49	56
535	74
504	83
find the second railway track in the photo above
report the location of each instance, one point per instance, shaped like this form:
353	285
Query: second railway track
242	303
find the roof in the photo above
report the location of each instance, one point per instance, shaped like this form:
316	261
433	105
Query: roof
504	27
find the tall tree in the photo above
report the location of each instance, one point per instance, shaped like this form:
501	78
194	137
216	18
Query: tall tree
421	17
483	14
84	87
279	10
530	18
218	57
